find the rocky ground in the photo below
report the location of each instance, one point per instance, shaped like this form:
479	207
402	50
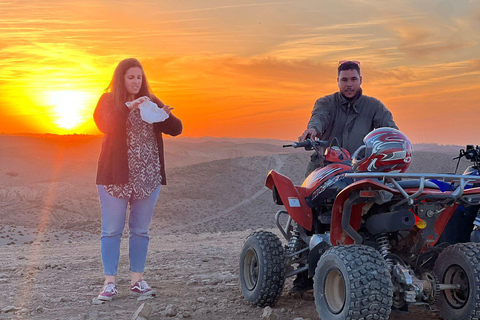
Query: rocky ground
50	265
195	276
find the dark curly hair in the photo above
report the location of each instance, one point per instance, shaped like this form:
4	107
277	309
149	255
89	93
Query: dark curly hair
349	65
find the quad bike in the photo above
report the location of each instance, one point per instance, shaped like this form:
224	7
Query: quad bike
366	232
464	225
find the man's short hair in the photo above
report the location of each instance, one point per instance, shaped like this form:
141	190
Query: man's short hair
349	65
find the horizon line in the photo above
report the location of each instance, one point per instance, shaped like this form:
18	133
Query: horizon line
84	135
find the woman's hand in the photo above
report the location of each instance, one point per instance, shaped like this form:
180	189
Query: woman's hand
167	109
135	103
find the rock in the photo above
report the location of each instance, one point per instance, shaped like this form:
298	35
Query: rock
39	309
96	301
143	298
298	318
201	299
10	309
93	315
143	312
308	297
267	314
119	312
170	311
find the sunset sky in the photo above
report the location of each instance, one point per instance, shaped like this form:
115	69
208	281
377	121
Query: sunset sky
243	68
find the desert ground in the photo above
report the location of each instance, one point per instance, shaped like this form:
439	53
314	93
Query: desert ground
50	224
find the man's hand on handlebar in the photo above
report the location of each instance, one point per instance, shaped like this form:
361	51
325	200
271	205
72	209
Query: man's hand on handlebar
309	133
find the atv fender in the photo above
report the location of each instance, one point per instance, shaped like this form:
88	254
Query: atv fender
338	235
472	191
293	198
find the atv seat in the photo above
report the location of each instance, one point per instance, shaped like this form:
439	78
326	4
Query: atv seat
407	184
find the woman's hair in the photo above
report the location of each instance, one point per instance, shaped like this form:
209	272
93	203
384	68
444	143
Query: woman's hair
117	85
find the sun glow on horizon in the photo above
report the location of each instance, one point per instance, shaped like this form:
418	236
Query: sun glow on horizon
69	105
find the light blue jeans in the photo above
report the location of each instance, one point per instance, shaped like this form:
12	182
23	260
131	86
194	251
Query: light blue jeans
114	211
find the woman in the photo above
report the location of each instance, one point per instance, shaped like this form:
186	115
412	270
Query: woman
131	169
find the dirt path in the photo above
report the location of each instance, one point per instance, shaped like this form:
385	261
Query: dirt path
196	276
224	213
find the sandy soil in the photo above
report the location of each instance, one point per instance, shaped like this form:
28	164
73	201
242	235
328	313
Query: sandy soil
50	264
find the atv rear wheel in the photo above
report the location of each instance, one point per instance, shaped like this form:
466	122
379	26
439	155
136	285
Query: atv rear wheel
352	282
459	264
262	269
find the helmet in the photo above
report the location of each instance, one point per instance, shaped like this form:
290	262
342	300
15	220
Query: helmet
384	150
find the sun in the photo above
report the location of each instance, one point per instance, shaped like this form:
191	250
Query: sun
68	106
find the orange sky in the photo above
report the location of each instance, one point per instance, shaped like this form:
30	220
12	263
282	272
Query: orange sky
243	68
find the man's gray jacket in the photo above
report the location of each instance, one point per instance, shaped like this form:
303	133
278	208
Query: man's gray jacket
334	116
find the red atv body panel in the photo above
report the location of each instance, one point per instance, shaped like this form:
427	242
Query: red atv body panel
339	237
475	190
293	198
320	175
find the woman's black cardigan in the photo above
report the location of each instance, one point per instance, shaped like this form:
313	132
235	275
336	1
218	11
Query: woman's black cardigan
113	160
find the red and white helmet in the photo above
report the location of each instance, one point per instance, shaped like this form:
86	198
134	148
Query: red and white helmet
385	150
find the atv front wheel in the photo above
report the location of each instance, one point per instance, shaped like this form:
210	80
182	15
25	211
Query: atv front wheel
352	282
262	269
459	264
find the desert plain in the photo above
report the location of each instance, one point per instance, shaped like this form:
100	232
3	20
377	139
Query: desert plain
50	223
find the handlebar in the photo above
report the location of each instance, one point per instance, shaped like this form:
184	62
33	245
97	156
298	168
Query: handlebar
471	153
308	144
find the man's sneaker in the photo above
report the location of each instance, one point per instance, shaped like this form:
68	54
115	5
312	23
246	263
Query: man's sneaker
108	293
141	288
301	284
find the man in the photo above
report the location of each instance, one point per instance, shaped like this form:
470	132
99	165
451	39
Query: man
347	115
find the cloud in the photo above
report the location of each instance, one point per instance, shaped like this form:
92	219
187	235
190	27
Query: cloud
226	7
476	64
433	38
330	41
476	15
420	43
